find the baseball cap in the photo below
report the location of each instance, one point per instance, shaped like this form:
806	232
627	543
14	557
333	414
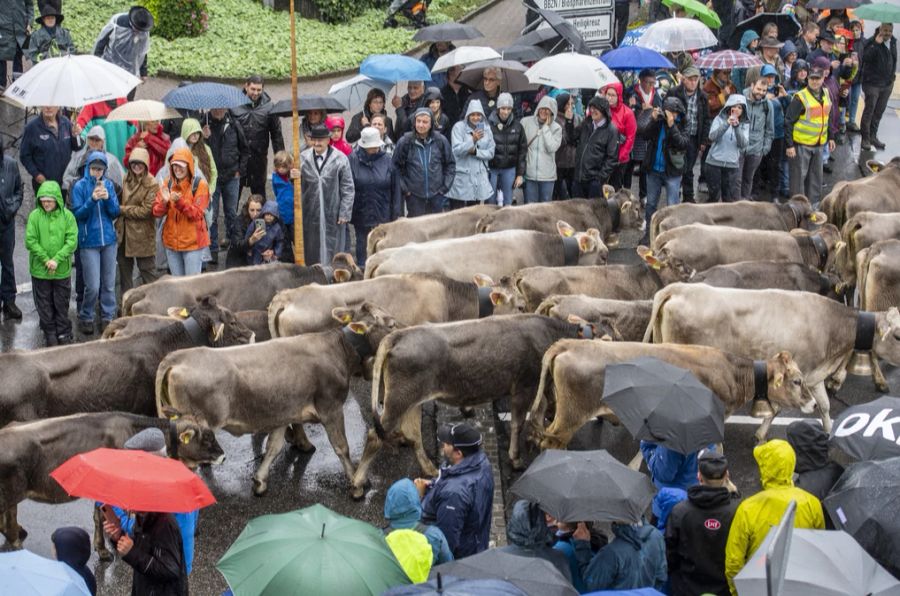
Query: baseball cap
690	71
815	73
459	435
713	465
768	70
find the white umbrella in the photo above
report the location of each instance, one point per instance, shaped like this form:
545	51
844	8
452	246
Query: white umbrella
571	71
464	55
71	81
143	110
677	35
352	92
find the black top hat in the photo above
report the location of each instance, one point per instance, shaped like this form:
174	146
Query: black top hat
140	18
49	8
319	131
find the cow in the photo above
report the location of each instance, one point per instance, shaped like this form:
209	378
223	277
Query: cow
105	376
461	364
257	321
241	288
877	193
616	282
574	373
748	215
453	224
820	333
415	297
496	254
610	216
29	451
771	275
701	246
879	287
628	318
267	387
861	231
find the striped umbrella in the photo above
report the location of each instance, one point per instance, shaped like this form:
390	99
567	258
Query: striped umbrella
727	59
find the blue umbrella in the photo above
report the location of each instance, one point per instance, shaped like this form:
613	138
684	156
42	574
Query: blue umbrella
394	67
26	574
632	35
452	586
205	96
635	58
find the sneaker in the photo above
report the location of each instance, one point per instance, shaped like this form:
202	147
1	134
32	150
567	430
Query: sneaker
86	327
11	311
878	144
50	340
826	168
65	340
852	127
865	145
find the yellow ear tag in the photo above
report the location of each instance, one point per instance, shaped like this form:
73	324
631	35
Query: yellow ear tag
184	313
346	318
185	439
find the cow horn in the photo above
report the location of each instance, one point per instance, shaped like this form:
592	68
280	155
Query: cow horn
218	330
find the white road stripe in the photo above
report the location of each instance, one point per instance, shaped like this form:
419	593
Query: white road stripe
779	420
23	288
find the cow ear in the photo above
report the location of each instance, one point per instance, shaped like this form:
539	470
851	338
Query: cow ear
341	276
170	412
186	436
576	320
608	191
178	312
342	315
874	165
648	256
785	357
565	229
625	206
498	298
483	281
586	243
818	217
359	328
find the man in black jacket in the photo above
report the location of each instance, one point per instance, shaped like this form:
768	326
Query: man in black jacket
155	554
696	125
230	151
10	200
597	151
259	124
663	128
406	106
879	63
697	531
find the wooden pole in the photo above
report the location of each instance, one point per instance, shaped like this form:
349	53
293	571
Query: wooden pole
298	191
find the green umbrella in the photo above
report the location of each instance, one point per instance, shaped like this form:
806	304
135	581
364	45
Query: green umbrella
693	8
879	11
310	551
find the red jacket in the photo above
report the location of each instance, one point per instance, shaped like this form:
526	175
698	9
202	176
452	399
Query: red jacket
623	118
157	144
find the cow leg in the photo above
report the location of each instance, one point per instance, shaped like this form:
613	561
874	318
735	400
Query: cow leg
878	376
100	537
411	429
518	408
360	478
836	381
274	446
12	531
635	463
822	401
334	428
296	436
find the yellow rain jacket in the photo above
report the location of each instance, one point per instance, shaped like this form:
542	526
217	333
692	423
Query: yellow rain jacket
414	553
757	514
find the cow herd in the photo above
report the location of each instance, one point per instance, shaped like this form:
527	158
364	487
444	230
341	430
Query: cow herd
761	301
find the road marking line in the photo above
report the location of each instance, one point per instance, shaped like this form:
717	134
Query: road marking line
779	420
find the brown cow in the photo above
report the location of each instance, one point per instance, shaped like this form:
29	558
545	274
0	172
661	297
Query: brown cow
879	288
629	318
256	321
877	193
575	371
453	224
861	231
771	275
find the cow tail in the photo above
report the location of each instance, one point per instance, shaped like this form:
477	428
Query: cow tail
372	240
483	225
863	258
654	226
274	314
380	358
547	305
653	327
163	398
131	298
539	405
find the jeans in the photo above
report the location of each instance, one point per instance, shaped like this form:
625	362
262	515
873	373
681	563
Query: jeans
806	172
562	189
746	170
146	268
876	102
229	191
256	174
503	178
454	204
622	7
51	301
539	192
769	172
7	268
855	92
99	265
656	181
687	179
362	240
416	206
721	183
184	262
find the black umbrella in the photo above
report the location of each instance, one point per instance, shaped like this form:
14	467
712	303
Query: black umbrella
585	485
309	102
537	37
449	31
535	577
565	29
835	4
659	402
860	431
443	585
865	503
523	53
788	27
205	96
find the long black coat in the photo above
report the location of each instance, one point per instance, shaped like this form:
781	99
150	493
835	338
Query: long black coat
259	125
376	189
510	144
15	16
229	147
158	557
597	151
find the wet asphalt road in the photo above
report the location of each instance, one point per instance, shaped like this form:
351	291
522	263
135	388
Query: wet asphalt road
298	480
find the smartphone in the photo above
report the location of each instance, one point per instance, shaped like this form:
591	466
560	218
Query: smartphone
260	224
110	516
480	126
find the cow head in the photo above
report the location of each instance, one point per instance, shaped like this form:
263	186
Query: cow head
887	336
670	269
831	236
807	217
191	440
345	268
591	250
504	297
629	209
370	321
785	382
603	330
222	327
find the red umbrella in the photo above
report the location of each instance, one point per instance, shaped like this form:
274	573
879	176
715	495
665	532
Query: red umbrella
133	480
727	59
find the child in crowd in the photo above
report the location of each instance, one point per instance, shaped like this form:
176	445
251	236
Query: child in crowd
268	248
51	39
335	125
283	178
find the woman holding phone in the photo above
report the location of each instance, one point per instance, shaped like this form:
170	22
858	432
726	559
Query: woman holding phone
728	134
473	147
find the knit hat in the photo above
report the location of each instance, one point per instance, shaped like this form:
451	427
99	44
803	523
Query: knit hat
562	99
505	100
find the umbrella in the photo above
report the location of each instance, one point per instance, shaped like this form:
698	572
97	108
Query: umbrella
308	102
677	35
71	81
353	91
536	37
523	53
727	60
860	431
788	26
881	12
835	4
864	502
394	68
571	71
24	573
443	585
463	56
820	562
133	480
447	32
693	8
143	110
633	35
533	576
635	592
566	29
585	485
310	551
205	96
512	75
634	58
659	402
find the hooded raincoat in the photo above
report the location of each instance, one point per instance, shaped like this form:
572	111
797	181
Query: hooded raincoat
124	46
52	235
528	536
757	514
635	559
728	142
73	547
189	127
543	141
403	510
816	473
472	181
327	198
623	117
135	228
737	75
95	218
597	153
273	240
75	169
185	226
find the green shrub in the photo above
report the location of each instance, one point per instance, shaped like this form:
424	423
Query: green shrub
178	18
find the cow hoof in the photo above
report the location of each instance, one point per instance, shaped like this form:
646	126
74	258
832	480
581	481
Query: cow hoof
518	464
23	534
259	488
467	412
308	448
882	387
357	493
104	555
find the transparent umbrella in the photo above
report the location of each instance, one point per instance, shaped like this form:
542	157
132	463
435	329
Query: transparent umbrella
677	35
571	71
